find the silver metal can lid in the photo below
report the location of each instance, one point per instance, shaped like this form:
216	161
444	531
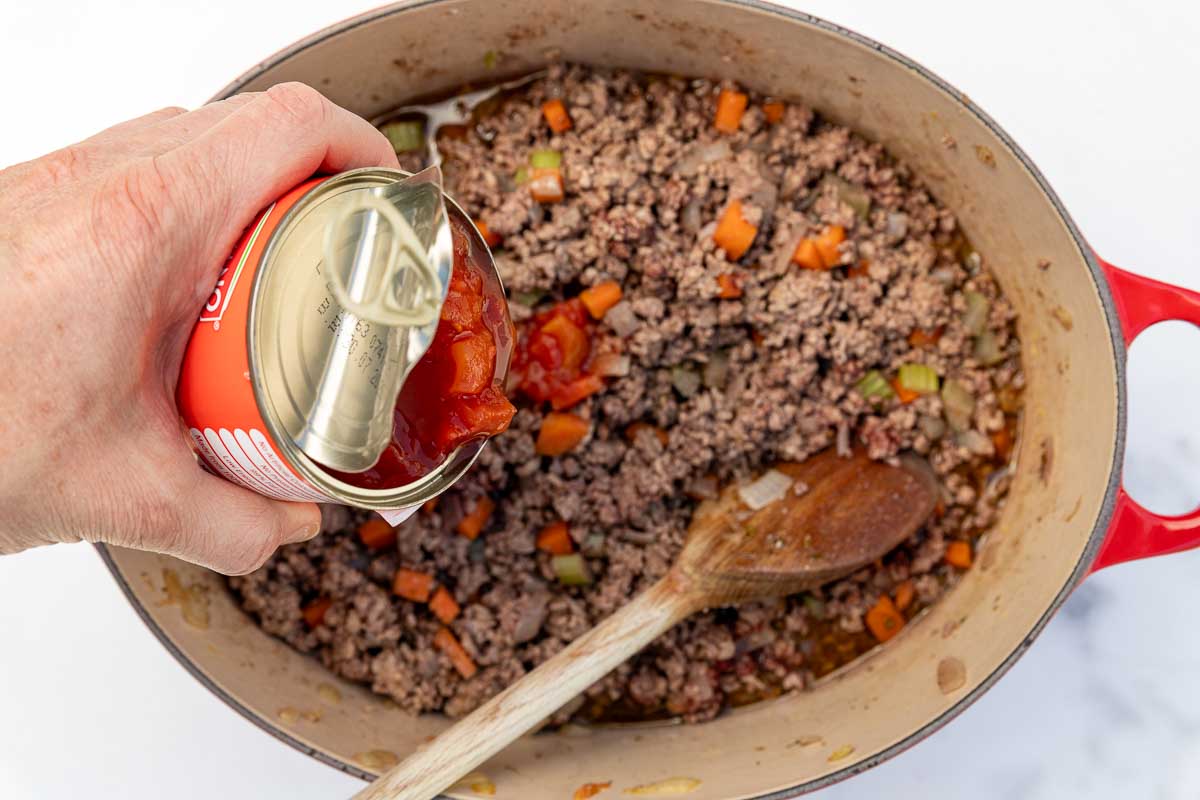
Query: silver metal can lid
357	274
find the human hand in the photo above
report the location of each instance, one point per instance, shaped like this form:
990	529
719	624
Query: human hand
108	250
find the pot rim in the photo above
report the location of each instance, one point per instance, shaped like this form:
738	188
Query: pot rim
1099	280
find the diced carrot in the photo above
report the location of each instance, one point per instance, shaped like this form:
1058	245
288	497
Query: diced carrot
590	790
905	593
827	242
429	506
443	605
958	554
448	644
546	184
412	585
633	431
773	112
555	539
377	534
730	107
807	255
560	433
556	116
600	298
492	239
734	234
472	524
728	286
883	619
1002	441
859	270
314	612
576	391
923	338
905	396
474	361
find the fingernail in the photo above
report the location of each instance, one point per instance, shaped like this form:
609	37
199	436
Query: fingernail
303	533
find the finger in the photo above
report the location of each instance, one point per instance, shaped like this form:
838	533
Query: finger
123	129
187	127
234	531
272	143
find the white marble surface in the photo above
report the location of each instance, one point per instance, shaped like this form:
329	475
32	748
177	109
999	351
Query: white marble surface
1105	705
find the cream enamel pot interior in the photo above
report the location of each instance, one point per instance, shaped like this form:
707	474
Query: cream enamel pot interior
1066	514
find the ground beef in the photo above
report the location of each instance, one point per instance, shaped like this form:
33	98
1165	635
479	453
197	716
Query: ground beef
646	178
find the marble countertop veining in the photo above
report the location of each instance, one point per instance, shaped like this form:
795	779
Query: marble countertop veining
1104	705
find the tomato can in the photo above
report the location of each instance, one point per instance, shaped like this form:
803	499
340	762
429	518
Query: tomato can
280	372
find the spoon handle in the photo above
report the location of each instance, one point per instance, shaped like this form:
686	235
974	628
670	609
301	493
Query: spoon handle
520	707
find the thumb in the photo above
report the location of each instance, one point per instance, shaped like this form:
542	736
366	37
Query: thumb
234	531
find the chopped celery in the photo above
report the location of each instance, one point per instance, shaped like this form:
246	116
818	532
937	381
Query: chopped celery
490	59
976	316
405	136
571	570
545	159
918	378
873	384
521	176
854	196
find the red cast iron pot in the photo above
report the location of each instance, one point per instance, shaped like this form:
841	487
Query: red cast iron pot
1067	514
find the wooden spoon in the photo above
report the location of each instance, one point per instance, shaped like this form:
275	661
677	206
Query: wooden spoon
853	512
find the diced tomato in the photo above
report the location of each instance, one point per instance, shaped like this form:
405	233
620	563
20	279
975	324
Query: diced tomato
461	311
572	341
474	361
452	395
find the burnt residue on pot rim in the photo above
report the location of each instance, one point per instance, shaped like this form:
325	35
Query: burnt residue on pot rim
1098	279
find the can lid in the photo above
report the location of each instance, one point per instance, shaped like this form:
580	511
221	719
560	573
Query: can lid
383	257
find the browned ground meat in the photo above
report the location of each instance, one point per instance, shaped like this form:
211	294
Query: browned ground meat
647	176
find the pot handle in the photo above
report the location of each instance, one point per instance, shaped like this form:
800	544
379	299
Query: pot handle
1136	532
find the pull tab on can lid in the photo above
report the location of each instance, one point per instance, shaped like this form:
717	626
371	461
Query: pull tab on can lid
387	257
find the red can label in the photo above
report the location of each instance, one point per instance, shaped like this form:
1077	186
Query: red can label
216	396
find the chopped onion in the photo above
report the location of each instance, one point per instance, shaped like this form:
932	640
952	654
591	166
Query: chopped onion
943	275
933	427
612	365
545	159
622	319
689	218
958	404
703	488
854	196
918	378
976	442
897	225
707	153
842	443
873	384
716	370
530	616
987	349
593	545
976	316
405	136
571	570
685	380
771	486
